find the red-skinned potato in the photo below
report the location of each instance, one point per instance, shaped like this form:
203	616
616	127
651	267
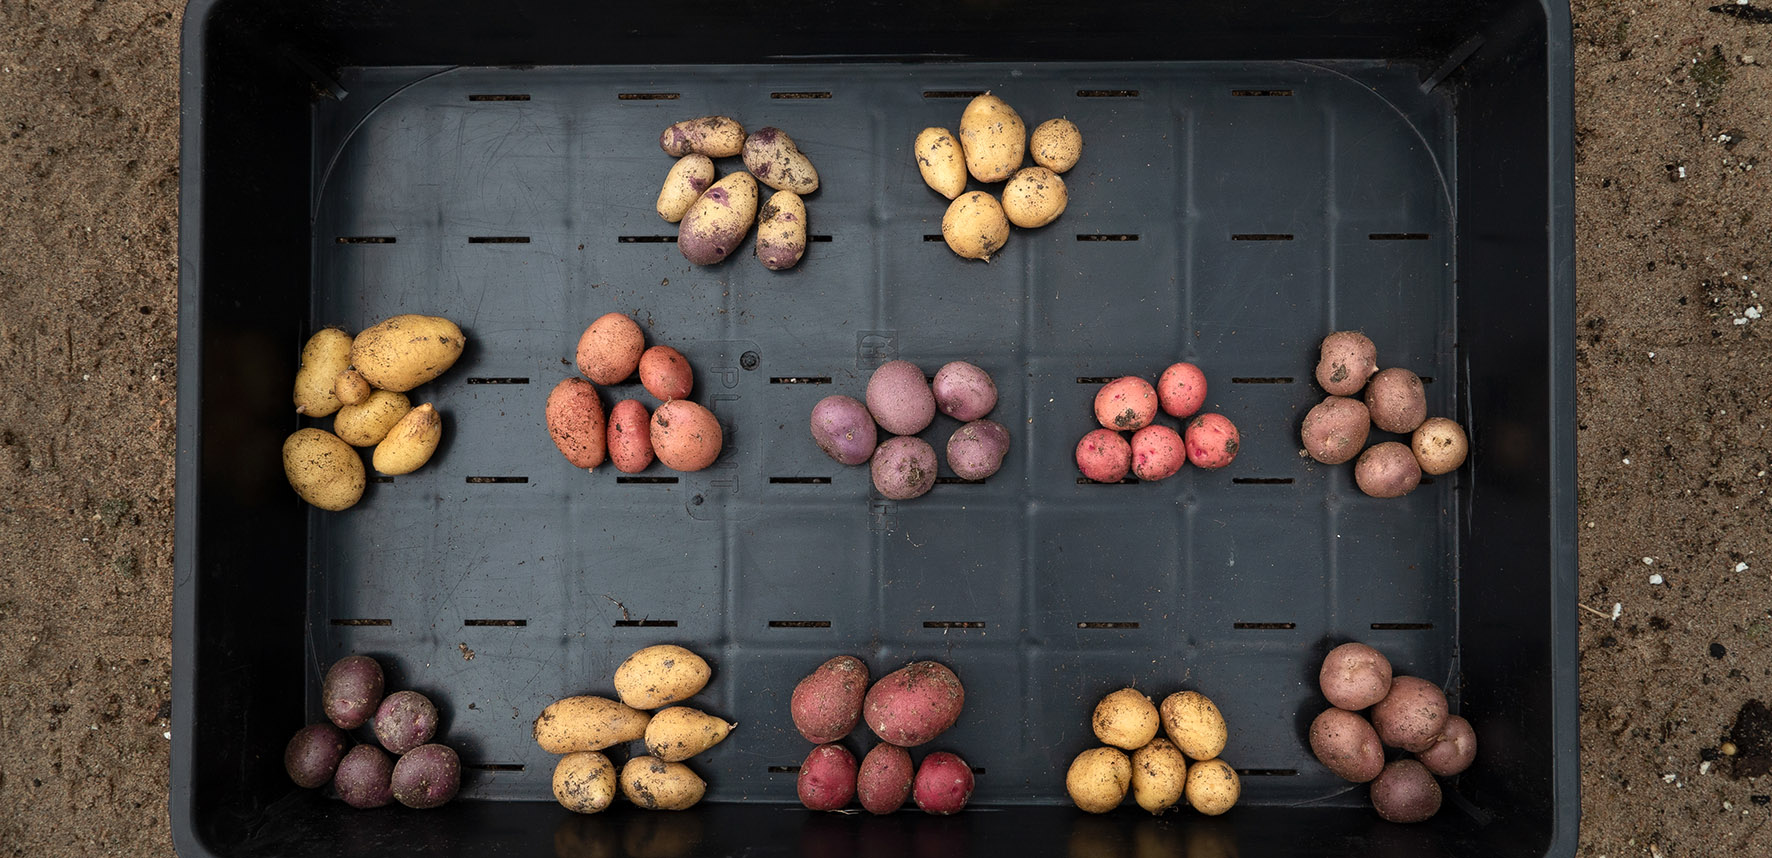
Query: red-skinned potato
827	778
1406	792
903	468
609	349
1347	359
1387	470
575	422
686	436
1212	441
664	372
1158	452
1335	430
1104	456
1181	390
1455	751
1127	404
826	705
1412	716
1355	676
884	780
914	704
943	784
1347	745
630	436
1396	400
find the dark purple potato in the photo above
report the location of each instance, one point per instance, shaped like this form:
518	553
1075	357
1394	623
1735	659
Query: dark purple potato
351	691
844	429
427	776
1406	792
365	777
406	720
313	753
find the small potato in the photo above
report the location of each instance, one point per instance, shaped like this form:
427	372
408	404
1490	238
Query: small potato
1335	429
630	437
654	784
781	231
1387	470
365	778
351	388
914	704
660	675
403	352
976	450
884	780
1158	452
1098	779
411	443
327	353
941	162
1034	197
1126	404
677	733
718	222
843	429
405	720
351	691
1406	792
903	468
713	136
367	423
1396	399
1181	390
683	185
826	705
584	782
1126	719
686	436
1412	716
1346	359
975	226
1212	441
1439	445
665	374
1213	787
993	138
963	391
1454	752
575	422
609	350
943	784
827	778
773	157
312	755
427	776
900	399
323	470
1104	456
1347	745
1057	145
1194	724
1159	775
1355	676
588	723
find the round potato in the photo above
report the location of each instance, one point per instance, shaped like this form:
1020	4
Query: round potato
781	231
323	470
588	723
405	720
365	778
827	778
1104	456
976	450
411	443
584	782
327	353
351	691
686	436
1213	787
1127	404
903	468
1126	719
351	387
1034	197
826	704
367	423
773	157
1347	745
1098	779
630	437
963	391
683	185
1387	470
1454	752
575	422
993	138
1412	716
1212	441
665	374
660	675
427	776
313	753
914	704
975	226
1159	775
1396	400
1346	359
1406	792
718	222
677	733
943	784
900	399
1439	445
713	136
843	429
1181	390
1335	429
1194	724
406	351
884	780
941	162
654	784
1354	676
1057	145
609	350
1157	453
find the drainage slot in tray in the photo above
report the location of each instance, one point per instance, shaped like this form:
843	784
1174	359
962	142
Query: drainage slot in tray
503	380
1107	236
1261	481
783	770
481	480
795	96
957	481
1402	627
1261	236
1261	379
646	239
1264	626
645	481
1106	625
494	96
362	622
1261	93
378	478
365	239
1268	773
1399	236
645	624
952	93
498	239
801	481
499	623
799	624
1107	93
800	379
953	624
1128	481
647	96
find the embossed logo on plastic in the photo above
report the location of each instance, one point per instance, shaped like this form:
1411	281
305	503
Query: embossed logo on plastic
873	348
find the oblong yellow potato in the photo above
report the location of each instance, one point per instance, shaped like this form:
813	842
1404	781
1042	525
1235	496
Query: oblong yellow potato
411	442
677	733
975	226
1057	144
1126	719
654	784
327	353
406	351
1098	779
323	470
718	222
1159	775
1213	787
781	231
584	782
1034	197
941	161
351	387
683	185
714	136
587	723
994	138
1194	724
660	675
365	425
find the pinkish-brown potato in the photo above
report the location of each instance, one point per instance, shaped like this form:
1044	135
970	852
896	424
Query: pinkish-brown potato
1212	441
1335	429
843	429
1454	752
1412	716
900	399
664	372
1181	390
964	391
976	450
903	468
943	784
1158	452
1347	359
630	436
1406	792
609	349
827	778
575	422
1127	404
1396	400
1347	745
405	720
1355	676
1104	456
686	436
1387	470
826	705
914	704
884	780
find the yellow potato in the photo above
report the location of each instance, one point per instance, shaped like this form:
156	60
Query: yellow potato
584	782
1034	197
679	732
1213	787
352	388
1126	719
1439	445
1057	144
327	354
714	136
322	469
718	222
775	160
660	675
411	442
654	784
587	723
1098	779
941	162
683	185
365	425
406	351
994	138
781	231
1194	724
1159	775
975	226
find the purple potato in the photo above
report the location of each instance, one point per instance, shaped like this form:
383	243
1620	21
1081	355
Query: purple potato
406	720
427	776
365	777
904	468
976	449
313	754
899	398
964	392
844	429
351	691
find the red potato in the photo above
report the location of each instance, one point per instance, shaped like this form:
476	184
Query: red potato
609	350
903	468
365	777
1387	470
1455	751
686	436
313	753
944	784
630	436
1128	404
1347	745
405	720
884	780
827	778
1406	792
900	399
1355	676
1336	429
1212	441
914	704
1396	400
826	705
664	372
1181	390
1346	360
1412	716
1157	453
1104	456
575	422
964	391
351	691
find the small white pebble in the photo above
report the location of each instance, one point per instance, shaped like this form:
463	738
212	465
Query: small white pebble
1751	312
1670	777
1617	610
1704	767
1682	172
1727	805
1648	561
86	376
166	735
1651	354
1627	460
1742	567
1655	579
1741	321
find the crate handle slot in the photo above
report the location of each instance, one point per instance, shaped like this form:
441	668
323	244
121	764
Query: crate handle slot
935	237
499	380
818	239
645	481
799	624
1096	379
1127	481
801	481
1426	481
978	770
1402	627
378	478
1261	379
1107	236
1261	236
647	239
502	623
1261	481
1107	93
784	770
1269	626
800	379
365	239
1261	93
1268	773
953	624
482	480
1399	236
957	481
1106	625
496	96
1426	379
795	96
362	622
953	93
645	624
647	96
494	767
498	239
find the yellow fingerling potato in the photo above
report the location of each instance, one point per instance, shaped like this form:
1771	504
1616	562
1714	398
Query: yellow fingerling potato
584	782
941	162
367	424
677	733
660	675
587	723
654	784
411	442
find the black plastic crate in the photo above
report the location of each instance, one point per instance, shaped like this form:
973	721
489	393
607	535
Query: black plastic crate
1253	177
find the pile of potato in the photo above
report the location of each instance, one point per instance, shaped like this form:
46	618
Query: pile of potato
422	774
1335	430
1156	452
1406	713
909	707
682	435
713	217
364	380
990	146
1158	773
581	728
903	402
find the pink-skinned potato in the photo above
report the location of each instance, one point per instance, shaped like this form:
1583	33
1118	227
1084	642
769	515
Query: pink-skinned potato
1412	716
665	374
844	430
1212	441
630	436
1454	752
1104	456
1335	429
883	782
1158	453
1127	404
1347	745
1181	390
826	705
1406	792
903	468
827	778
686	436
943	785
976	450
914	704
1354	676
576	423
900	399
963	391
1345	361
1387	470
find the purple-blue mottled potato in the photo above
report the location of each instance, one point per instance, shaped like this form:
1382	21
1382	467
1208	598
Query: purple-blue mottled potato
1406	792
718	222
773	157
405	720
900	399
351	691
976	450
427	776
713	136
964	391
904	468
844	429
683	185
1387	470
313	754
365	777
1412	716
